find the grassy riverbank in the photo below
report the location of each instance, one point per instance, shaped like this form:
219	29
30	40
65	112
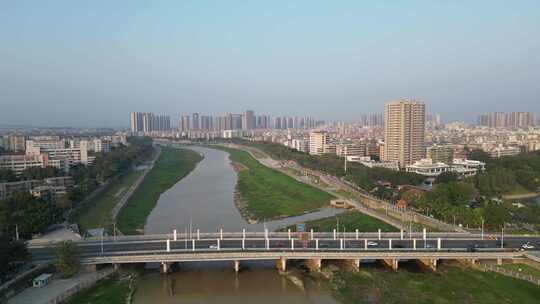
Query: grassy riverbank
98	212
107	291
450	284
350	221
269	194
171	166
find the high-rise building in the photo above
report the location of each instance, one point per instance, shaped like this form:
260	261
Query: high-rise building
510	119
248	120
148	122
183	123
317	142
195	124
404	131
136	121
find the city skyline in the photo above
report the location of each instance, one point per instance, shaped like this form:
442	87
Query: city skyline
337	60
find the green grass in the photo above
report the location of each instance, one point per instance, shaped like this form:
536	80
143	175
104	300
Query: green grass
98	212
450	284
106	291
172	165
271	194
525	269
350	220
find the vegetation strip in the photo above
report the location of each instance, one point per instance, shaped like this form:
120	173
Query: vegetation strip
112	290
269	194
98	214
450	284
172	165
348	221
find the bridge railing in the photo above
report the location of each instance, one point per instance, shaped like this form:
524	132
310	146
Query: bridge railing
305	235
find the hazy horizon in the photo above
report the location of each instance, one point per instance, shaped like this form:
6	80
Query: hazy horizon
68	63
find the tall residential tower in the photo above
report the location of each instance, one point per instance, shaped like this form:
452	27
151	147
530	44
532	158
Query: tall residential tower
404	131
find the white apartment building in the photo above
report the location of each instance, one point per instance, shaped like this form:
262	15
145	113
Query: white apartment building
344	150
102	146
300	145
428	168
317	141
18	163
499	152
368	162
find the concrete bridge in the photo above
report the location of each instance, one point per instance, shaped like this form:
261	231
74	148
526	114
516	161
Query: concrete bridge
350	248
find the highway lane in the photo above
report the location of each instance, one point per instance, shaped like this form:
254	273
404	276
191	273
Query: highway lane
92	248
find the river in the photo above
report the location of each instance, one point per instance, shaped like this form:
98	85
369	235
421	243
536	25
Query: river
204	198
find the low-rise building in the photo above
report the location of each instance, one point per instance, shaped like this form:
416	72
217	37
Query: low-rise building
428	167
499	152
56	186
368	162
18	163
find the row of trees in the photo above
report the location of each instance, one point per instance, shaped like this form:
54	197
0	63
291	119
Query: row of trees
505	174
476	199
366	178
119	160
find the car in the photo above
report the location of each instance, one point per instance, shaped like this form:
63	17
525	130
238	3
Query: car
471	248
527	245
429	246
372	244
213	246
324	245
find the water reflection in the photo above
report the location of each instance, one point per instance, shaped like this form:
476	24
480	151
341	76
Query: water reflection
219	284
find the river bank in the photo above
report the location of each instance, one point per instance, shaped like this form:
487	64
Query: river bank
451	283
171	166
266	194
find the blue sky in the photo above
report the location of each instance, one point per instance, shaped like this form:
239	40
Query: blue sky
89	63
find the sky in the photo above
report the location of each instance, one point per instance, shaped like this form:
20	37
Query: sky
90	63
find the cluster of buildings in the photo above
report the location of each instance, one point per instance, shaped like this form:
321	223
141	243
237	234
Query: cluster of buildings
507	120
53	151
149	122
25	152
54	187
198	126
400	145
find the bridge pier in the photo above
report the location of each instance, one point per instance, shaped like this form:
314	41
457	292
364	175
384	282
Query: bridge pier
236	265
281	264
314	265
353	264
164	267
428	263
391	263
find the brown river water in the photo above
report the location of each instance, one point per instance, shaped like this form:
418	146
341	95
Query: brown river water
204	198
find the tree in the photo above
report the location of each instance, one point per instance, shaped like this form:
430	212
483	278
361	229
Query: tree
11	253
40	173
6	176
67	259
480	155
29	213
446	177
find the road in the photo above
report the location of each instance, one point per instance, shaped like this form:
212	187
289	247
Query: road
326	242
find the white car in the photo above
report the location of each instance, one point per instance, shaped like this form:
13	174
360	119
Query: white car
213	247
372	244
527	246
